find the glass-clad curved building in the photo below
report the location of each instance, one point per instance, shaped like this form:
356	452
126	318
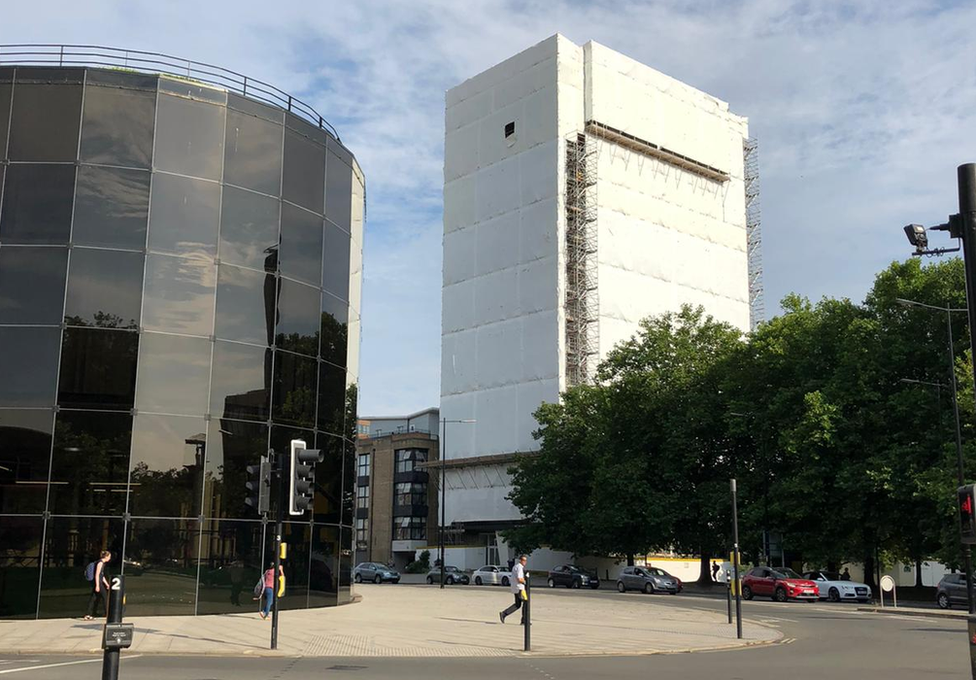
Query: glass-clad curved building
180	272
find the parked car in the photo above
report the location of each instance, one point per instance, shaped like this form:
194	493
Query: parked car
571	576
648	579
832	588
375	572
952	590
492	575
452	575
781	584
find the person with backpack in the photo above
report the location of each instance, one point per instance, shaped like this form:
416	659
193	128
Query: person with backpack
269	588
97	573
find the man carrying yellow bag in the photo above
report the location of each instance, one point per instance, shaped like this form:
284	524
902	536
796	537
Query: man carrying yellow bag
518	590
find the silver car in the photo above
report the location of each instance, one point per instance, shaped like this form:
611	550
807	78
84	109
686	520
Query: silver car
375	572
452	575
648	579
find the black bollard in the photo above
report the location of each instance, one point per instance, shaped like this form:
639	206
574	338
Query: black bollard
528	616
117	635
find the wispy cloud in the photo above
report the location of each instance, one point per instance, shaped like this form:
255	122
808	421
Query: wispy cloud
863	111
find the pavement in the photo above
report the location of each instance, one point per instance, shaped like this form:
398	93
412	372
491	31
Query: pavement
413	621
919	611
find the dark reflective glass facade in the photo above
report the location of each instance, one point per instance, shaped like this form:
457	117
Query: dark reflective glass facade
179	291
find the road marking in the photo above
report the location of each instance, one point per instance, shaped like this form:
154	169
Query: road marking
56	665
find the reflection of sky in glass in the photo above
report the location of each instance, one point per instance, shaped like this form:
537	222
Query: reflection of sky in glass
174	374
111	207
184	215
179	295
248	228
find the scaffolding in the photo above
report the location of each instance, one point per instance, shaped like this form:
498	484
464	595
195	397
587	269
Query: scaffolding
582	298
750	158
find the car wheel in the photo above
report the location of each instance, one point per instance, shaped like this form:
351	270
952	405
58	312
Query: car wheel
449	580
358	578
746	592
833	595
649	588
430	580
943	601
620	587
377	579
780	595
576	584
505	581
550	583
477	580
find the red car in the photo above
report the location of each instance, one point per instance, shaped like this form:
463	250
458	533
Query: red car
780	583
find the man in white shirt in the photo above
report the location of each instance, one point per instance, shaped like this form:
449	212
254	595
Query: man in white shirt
518	589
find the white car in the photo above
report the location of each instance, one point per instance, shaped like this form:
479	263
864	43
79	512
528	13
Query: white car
833	588
491	575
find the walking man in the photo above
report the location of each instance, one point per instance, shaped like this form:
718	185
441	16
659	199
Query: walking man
99	581
715	569
518	589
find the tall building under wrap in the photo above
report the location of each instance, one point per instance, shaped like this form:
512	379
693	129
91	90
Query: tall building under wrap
583	192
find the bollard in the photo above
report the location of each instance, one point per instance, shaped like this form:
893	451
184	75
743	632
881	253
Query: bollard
116	635
728	593
527	607
972	643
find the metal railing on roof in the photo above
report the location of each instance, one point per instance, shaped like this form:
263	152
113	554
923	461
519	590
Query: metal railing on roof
98	56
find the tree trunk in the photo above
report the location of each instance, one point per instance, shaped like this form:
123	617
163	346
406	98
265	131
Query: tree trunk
705	575
832	566
918	572
630	559
869	571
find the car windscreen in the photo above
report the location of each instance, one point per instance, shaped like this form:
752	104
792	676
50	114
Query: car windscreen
785	572
658	572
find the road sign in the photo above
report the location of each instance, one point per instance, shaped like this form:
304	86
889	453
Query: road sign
117	636
887	583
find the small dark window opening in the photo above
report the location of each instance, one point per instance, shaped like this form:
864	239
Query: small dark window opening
509	129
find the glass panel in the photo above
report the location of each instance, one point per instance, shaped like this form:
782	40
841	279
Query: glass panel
253	153
306	129
294	389
5	92
300	253
332	398
346	563
72	543
299	318
334	331
335	274
104	288
118	127
241	382
348	481
44	122
29	366
32	285
184	215
20	562
189	137
98	369
129	80
179	294
25	454
90	464
281	437
245	305
249	229
230	565
255	108
304	172
233	446
37	204
161	567
111	208
174	374
328	479
166	470
192	90
338	199
298	537
323	581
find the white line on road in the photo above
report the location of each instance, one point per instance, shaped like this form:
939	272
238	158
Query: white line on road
56	665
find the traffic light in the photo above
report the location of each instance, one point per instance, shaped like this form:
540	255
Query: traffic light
301	487
966	504
259	485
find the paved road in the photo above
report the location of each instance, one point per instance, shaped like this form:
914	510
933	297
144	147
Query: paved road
822	641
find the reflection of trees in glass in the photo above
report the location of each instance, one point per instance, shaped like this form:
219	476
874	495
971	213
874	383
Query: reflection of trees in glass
90	463
241	444
335	335
166	493
162	544
296	342
101	320
295	391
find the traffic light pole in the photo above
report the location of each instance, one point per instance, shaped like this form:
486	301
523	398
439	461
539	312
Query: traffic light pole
279	466
967	212
735	562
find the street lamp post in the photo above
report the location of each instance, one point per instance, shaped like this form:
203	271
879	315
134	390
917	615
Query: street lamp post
735	560
960	469
444	422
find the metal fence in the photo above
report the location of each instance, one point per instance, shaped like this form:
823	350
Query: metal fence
98	56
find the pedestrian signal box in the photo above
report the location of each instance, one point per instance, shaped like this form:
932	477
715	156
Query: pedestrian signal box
966	506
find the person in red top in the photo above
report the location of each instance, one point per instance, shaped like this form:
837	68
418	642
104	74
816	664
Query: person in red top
269	589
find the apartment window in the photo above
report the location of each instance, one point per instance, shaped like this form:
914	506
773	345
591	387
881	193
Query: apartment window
411	493
410	528
362	497
407	459
509	129
362	465
362	532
